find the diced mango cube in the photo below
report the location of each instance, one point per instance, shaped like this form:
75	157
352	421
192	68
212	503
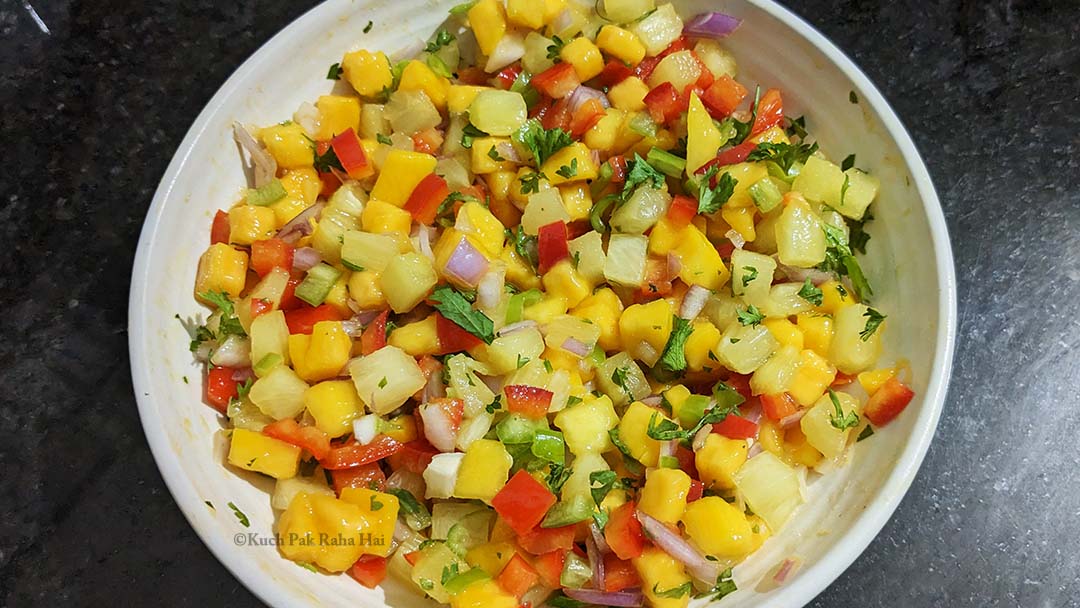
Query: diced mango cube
369	73
380	514
401	172
221	268
577	199
718	528
585	425
248	223
660	572
322	530
417	76
812	377
418	338
484	161
646	324
380	217
872	380
584	56
460	96
664	494
488	22
321	355
334	405
701	346
526	13
629	95
817	330
337	114
577	159
603	308
834	297
288	143
365	288
785	332
254	451
564	281
719	459
633	431
484	470
621	44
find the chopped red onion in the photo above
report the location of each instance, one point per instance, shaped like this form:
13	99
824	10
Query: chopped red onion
563	21
491	288
620	599
787	568
300	225
516	327
492	382
753	414
243	374
305	258
672	543
674	264
576	346
597	561
263	165
508	151
423	239
352	327
653	400
693	302
711	25
755	449
794	273
407	480
736	238
598	538
701	437
791	419
307	116
668	448
582	94
438	429
466	264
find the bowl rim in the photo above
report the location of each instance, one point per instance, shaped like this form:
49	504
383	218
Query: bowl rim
815	577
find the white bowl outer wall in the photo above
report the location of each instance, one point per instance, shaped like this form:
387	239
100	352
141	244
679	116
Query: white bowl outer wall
909	262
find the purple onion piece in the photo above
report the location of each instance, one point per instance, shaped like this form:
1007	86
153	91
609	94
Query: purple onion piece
628	599
711	25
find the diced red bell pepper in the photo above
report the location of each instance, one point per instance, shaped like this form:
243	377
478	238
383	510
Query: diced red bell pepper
618	169
549	566
644	69
556	82
725	248
679	44
706	78
302	320
614	72
350	152
374	335
779	406
770	111
428	141
506	76
413	556
452	338
414	456
307	437
545	540
426	197
663	103
552	245
736	427
888	401
369	476
557	115
657	282
269	254
369	570
731	156
687	463
219	230
523	502
623	532
260	306
588	114
682	210
696	491
472	75
517	576
619	574
289	301
353	454
741	384
529	401
842	379
453	410
220	387
723	96
330	180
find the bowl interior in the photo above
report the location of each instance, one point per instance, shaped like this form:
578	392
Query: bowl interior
908	263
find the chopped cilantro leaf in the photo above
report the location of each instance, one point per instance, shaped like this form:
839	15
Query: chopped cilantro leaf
456	308
784	155
568	171
335	72
873	321
750	316
712	198
674	357
811	293
838	418
240	515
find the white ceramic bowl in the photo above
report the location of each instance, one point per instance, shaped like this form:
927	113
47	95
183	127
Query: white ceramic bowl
909	263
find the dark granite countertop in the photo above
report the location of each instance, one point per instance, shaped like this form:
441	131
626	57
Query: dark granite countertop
96	96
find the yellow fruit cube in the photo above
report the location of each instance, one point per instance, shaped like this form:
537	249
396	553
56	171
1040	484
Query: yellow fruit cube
703	137
418	338
248	223
633	431
621	44
380	217
812	377
334	405
605	132
482	160
603	308
745	174
490	557
322	530
321	355
701	262
254	451
521	199
499	184
872	380
221	268
302	186
772	135
552	8
483	471
401	172
460	96
741	220
648	324
564	281
518	272
488	22
545	310
817	330
289	145
484	593
785	332
380	514
701	346
577	199
338	297
664	494
574	163
584	56
526	13
629	95
660	572
400	428
676	396
585	425
365	288
719	459
718	528
483	226
835	297
337	114
417	76
369	73
798	450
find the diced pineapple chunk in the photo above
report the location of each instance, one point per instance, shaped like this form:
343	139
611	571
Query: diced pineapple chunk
658	29
407	280
625	264
386	378
279	394
818	428
800	240
849	351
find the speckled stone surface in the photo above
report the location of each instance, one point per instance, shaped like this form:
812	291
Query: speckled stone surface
96	95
